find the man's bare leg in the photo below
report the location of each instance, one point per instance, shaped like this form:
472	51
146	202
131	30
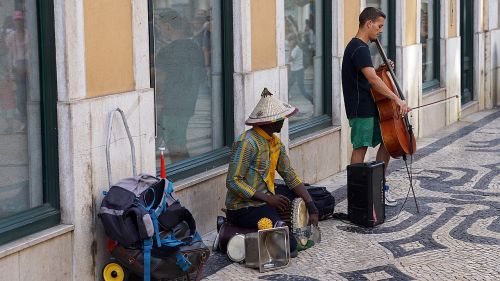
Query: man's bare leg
358	155
383	155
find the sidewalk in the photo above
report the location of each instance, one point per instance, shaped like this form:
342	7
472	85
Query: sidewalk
456	235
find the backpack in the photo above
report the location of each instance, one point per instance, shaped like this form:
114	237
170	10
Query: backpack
323	199
140	213
124	211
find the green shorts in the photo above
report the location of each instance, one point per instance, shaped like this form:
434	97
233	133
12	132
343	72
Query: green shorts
365	132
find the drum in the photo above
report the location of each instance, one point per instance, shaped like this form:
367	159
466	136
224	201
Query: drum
226	232
295	215
297	218
300	216
286	215
236	248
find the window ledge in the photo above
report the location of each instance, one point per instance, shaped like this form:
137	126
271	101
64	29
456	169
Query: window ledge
201	177
431	86
469	105
34	239
469	108
310	137
433	92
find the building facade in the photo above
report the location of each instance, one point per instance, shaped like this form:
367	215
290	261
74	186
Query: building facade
187	73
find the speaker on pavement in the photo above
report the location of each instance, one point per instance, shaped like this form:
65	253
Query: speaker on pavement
365	193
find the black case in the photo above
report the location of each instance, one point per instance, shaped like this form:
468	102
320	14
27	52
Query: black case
365	193
323	199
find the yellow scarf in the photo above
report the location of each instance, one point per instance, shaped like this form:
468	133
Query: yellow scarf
274	154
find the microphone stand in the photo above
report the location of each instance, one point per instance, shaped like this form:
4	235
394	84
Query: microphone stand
410	174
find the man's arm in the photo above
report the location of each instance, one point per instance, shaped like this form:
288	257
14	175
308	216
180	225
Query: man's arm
293	56
277	201
293	181
381	87
241	157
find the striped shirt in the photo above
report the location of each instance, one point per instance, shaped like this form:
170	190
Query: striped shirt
249	166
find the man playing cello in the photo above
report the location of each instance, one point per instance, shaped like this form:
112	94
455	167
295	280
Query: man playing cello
358	77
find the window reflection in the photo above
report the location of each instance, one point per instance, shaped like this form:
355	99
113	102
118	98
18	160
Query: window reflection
427	40
20	134
303	58
383	5
188	66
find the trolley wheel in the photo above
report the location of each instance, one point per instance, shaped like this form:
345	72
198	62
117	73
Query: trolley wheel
113	271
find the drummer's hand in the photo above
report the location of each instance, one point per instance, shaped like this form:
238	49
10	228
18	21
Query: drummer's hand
278	201
313	219
403	107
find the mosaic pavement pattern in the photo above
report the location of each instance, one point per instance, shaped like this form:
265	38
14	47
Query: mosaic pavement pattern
456	235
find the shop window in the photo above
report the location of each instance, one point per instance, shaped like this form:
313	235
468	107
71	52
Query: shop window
191	60
429	38
308	59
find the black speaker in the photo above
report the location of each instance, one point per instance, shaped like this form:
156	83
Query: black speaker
365	193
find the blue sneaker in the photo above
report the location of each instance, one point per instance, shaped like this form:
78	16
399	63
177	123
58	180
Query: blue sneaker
388	200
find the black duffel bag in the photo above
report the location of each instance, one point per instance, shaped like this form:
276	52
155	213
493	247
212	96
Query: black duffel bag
323	199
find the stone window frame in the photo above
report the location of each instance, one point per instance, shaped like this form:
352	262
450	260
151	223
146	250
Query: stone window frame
48	214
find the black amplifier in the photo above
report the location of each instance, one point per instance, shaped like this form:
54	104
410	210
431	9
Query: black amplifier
365	193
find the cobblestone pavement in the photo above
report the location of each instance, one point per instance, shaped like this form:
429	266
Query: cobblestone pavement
456	235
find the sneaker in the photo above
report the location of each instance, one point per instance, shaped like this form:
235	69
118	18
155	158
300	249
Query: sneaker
389	201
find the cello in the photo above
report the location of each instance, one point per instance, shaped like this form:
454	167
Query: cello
396	130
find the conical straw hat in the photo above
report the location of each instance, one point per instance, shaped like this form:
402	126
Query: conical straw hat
269	110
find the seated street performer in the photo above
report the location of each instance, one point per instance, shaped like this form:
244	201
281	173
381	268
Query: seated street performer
255	157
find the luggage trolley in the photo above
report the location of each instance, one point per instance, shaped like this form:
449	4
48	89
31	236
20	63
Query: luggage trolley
113	270
125	262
